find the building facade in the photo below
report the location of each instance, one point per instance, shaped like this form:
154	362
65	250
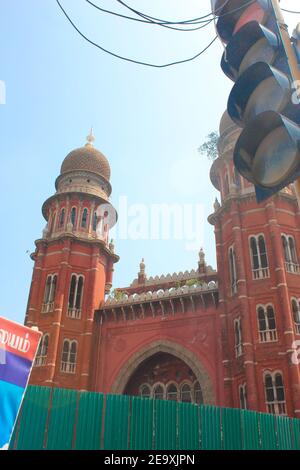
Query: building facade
226	337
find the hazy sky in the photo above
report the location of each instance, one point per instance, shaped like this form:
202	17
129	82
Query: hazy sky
148	122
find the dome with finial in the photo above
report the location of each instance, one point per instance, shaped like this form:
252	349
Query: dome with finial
87	158
142	266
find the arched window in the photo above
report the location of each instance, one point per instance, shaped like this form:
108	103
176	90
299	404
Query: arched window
198	396
186	393
266	324
232	270
47	289
172	392
62	218
293	250
41	355
158	392
69	355
75	296
275	395
145	391
290	254
49	294
84	218
53	222
259	257
296	314
237	178
262	251
226	185
254	252
286	250
73	216
238	337
95	220
243	396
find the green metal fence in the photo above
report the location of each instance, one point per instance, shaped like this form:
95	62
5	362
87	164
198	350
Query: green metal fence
67	419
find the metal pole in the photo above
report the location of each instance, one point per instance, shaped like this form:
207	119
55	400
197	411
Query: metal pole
292	60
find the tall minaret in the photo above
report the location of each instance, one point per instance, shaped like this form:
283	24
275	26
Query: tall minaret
258	255
73	266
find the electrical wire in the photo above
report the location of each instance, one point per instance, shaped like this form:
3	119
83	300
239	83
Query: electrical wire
126	58
290	11
143	15
147	21
192	21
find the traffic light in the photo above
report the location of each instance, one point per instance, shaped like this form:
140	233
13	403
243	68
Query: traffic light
262	100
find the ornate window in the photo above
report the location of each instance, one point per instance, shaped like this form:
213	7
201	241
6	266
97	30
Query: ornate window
232	270
75	296
290	255
226	185
296	314
238	337
49	294
145	391
186	393
73	216
84	218
198	396
69	355
158	392
41	355
237	178
266	324
62	218
259	257
243	396
275	395
53	222
95	220
172	392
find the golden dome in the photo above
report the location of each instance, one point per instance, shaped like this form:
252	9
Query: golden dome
87	158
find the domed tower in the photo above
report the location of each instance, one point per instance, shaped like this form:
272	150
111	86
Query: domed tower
73	266
258	250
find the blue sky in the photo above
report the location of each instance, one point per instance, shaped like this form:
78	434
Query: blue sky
148	122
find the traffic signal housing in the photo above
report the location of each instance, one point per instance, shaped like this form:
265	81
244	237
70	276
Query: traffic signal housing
267	152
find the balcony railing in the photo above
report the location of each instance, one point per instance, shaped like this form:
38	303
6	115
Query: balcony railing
277	408
48	307
68	367
261	273
40	361
74	313
268	336
292	268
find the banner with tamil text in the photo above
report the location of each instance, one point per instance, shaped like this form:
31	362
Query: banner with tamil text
18	346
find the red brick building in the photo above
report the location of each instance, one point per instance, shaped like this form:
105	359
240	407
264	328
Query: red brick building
224	337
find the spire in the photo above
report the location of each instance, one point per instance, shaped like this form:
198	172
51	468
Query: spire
90	138
201	262
142	275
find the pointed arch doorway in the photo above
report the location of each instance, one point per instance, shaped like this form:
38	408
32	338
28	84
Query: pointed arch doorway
168	370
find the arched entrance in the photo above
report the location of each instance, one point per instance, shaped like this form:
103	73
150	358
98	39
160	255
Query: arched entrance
166	369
